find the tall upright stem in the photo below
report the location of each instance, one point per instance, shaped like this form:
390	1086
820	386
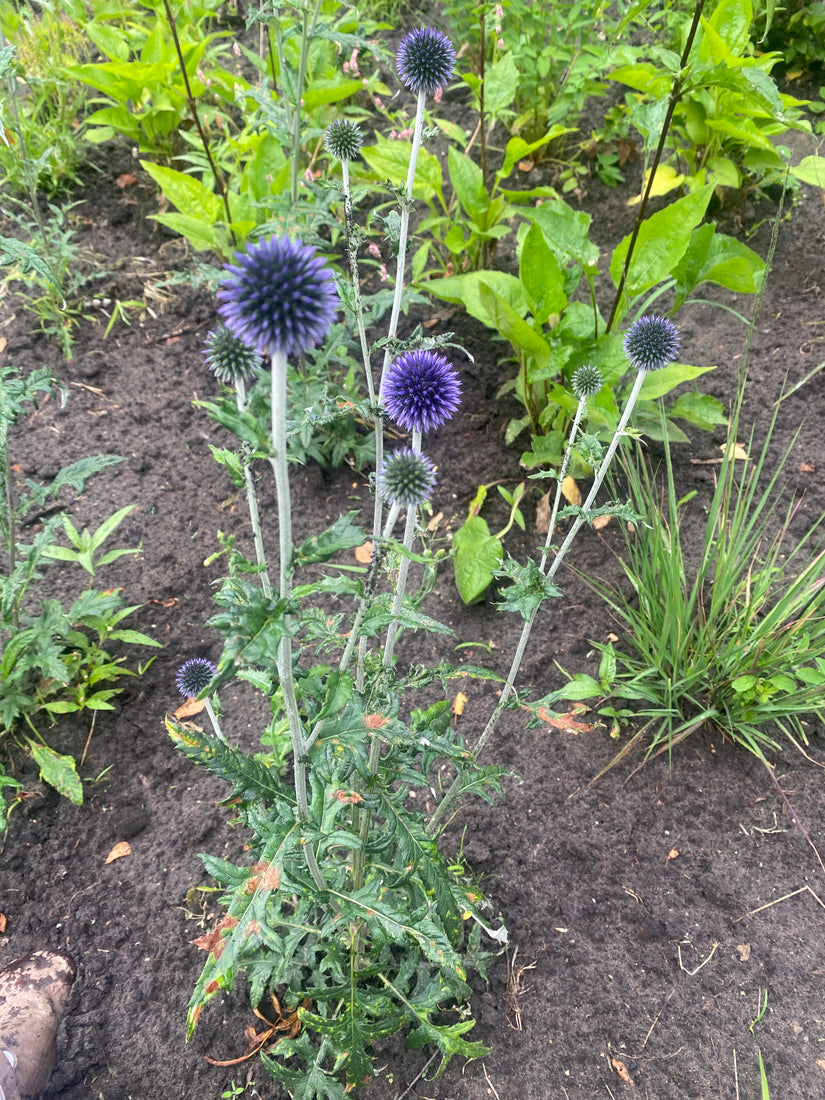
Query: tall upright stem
308	31
252	498
678	83
278	461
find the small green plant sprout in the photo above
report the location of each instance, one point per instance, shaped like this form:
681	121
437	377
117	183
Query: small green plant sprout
55	659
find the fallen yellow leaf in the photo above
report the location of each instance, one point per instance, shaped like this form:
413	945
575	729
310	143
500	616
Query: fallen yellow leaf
459	703
121	849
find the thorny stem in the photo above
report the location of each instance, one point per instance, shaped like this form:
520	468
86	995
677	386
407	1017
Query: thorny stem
278	461
190	99
507	690
676	92
252	499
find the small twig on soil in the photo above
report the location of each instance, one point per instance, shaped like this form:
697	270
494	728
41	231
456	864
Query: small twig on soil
417	1078
609	1090
785	897
489	1082
658	1015
515	990
88	739
793	814
704	962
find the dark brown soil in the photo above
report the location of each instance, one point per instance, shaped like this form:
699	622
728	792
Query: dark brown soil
631	959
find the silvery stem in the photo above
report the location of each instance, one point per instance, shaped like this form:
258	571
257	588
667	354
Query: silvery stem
252	499
213	718
521	648
280	469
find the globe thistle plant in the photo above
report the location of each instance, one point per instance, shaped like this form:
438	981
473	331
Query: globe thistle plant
587	380
279	297
421	391
194	675
425	59
229	359
651	343
343	139
406	477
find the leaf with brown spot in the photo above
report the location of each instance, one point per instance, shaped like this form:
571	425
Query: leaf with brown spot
121	849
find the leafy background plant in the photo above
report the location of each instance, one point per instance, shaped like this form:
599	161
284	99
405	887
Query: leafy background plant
56	658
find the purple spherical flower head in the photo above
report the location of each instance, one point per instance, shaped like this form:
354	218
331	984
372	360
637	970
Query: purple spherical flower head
422	391
278	297
425	59
194	675
406	477
651	342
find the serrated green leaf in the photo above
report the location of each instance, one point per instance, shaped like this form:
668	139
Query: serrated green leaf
58	771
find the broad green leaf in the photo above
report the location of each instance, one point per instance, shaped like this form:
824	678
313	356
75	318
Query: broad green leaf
187	193
667	179
390	160
566	230
716	258
811	170
468	184
109	40
478	556
321	93
731	21
464	290
699	409
662	241
506	321
541	276
500	84
24	257
659	382
58	771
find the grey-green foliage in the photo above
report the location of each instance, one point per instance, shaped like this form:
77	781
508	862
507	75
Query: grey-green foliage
55	658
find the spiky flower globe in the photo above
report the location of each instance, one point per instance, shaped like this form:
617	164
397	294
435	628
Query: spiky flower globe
278	297
651	342
229	358
406	478
425	60
422	391
343	139
587	380
194	675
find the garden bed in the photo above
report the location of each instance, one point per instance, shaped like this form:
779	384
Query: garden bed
651	915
